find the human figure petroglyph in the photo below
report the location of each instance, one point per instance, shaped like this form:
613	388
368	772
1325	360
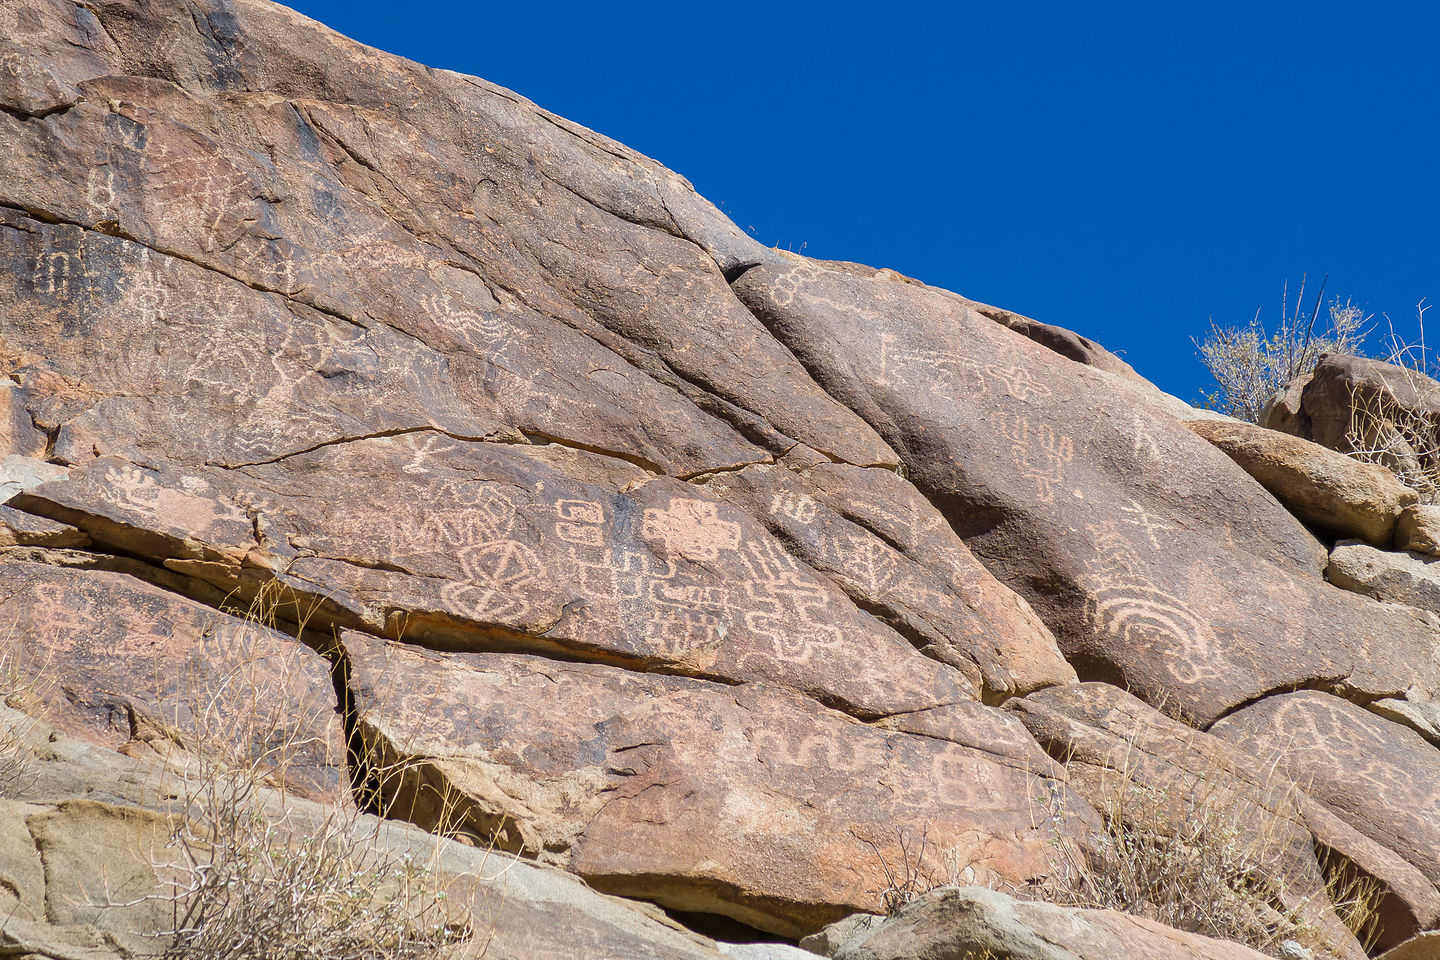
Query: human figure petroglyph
52	273
100	191
1039	454
431	447
146	296
1145	447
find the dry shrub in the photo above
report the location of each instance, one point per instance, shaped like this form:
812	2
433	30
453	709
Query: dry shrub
1401	437
21	686
252	872
1251	365
1196	853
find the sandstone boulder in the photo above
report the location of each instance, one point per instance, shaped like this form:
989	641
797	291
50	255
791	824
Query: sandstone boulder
1409	578
1131	761
127	665
1424	947
94	849
744	801
1349	404
1418	529
1324	488
960	922
496	547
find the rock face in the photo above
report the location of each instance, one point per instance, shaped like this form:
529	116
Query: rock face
1114	552
1418	529
1121	751
1321	487
741	800
128	664
1378	776
581	525
962	922
1409	578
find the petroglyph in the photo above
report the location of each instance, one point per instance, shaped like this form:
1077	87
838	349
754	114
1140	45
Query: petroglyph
868	560
100	191
1145	447
691	529
146	295
581	522
1125	605
1018	382
52	273
1134	514
484	329
1039	454
782	603
951	374
496	575
800	507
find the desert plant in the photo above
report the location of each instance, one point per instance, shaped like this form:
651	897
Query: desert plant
22	684
1251	365
1193	852
252	872
1401	436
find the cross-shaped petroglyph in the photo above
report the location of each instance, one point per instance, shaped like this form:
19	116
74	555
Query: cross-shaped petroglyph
691	529
1136	515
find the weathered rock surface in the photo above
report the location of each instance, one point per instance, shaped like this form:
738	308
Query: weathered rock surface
1409	578
1118	525
686	564
1349	403
1119	749
955	923
1424	947
1418	529
55	907
1380	777
122	663
1320	486
745	801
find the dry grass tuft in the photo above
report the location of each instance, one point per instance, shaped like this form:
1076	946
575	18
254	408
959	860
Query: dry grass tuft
1401	437
1196	853
21	686
253	874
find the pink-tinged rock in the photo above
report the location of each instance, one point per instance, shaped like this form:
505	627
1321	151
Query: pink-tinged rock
1123	755
1378	776
491	546
747	801
125	664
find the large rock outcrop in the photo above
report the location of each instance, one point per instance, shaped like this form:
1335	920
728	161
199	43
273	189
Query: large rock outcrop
591	530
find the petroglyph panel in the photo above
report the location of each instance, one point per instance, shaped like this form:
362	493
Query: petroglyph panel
1144	552
1384	779
121	662
678	770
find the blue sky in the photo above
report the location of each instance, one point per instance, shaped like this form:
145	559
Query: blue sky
1126	169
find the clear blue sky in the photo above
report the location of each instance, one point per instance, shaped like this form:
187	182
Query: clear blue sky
1125	169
